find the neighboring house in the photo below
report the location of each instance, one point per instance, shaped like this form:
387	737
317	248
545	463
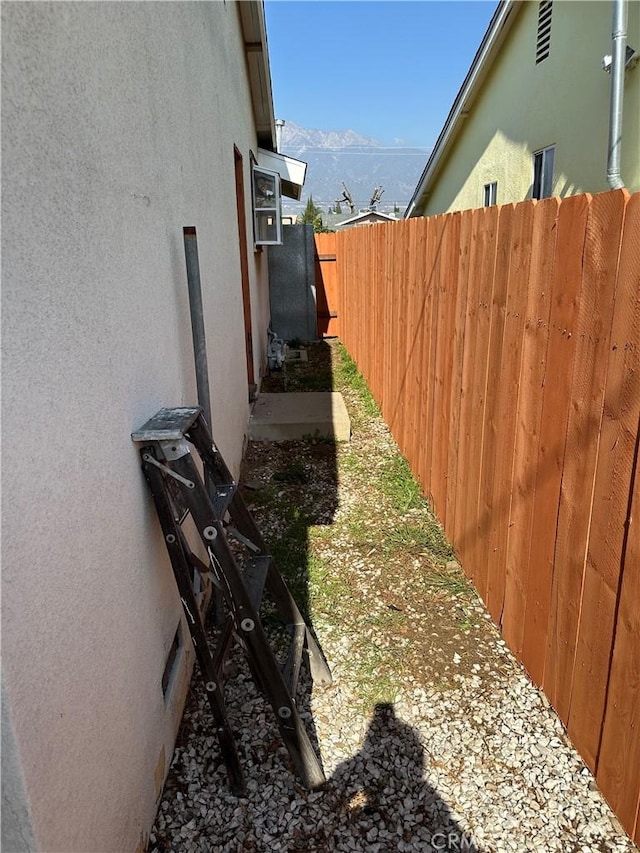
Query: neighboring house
365	217
122	123
532	116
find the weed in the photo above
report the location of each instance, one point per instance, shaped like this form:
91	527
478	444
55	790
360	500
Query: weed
264	496
400	485
319	382
289	550
425	539
378	679
347	373
293	472
317	438
328	591
454	583
349	462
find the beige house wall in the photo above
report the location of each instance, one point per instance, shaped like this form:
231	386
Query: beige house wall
523	107
118	127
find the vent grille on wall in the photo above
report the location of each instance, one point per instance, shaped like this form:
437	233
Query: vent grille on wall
543	42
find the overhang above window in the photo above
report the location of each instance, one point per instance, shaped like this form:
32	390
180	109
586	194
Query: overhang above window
292	172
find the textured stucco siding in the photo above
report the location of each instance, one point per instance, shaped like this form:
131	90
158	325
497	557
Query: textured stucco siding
523	107
118	127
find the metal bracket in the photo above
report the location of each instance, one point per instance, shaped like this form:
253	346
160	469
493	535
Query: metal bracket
147	457
237	535
175	449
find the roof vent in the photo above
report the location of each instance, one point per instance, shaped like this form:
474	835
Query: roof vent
543	41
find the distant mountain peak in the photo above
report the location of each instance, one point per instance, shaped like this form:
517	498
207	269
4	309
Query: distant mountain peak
301	138
363	163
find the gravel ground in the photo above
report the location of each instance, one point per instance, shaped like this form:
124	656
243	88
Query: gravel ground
432	737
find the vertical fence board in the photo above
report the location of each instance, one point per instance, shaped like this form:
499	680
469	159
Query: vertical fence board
602	244
401	274
328	321
611	491
435	380
462	539
443	414
390	309
425	355
565	292
466	227
373	301
483	264
528	423
369	314
408	388
434	251
514	572
419	349
486	575
618	771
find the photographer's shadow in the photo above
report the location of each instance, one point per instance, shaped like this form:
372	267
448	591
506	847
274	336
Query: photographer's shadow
381	801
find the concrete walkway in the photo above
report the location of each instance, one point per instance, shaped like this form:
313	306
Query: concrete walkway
290	416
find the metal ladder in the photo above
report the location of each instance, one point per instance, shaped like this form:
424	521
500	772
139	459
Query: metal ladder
219	512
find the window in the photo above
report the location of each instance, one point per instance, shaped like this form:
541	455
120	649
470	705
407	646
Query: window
267	218
543	173
543	39
490	194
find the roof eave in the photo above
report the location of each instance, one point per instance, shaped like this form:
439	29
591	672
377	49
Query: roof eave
364	216
493	38
292	172
254	33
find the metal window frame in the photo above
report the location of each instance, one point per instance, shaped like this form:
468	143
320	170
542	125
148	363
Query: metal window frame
542	175
490	194
260	209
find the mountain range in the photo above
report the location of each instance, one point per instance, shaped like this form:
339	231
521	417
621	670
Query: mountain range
363	163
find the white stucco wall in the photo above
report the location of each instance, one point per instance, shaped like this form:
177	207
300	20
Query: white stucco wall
523	107
118	127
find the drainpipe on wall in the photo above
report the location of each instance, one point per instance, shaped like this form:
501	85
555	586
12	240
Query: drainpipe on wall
618	60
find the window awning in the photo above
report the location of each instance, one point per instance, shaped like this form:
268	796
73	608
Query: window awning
292	172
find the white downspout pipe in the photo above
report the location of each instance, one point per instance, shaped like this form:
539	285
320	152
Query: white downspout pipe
618	61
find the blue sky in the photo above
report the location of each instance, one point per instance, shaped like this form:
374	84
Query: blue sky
388	69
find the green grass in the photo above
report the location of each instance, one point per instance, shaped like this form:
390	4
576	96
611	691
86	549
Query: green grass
346	373
373	685
425	539
293	472
454	583
399	484
319	382
264	496
329	592
289	550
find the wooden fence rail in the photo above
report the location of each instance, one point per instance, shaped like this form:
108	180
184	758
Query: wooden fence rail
503	347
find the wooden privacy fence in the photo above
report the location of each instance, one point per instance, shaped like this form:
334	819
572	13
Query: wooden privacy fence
326	285
503	347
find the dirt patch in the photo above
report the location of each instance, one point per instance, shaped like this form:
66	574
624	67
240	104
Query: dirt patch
360	546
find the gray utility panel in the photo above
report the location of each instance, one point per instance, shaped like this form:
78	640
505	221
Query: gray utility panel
292	281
